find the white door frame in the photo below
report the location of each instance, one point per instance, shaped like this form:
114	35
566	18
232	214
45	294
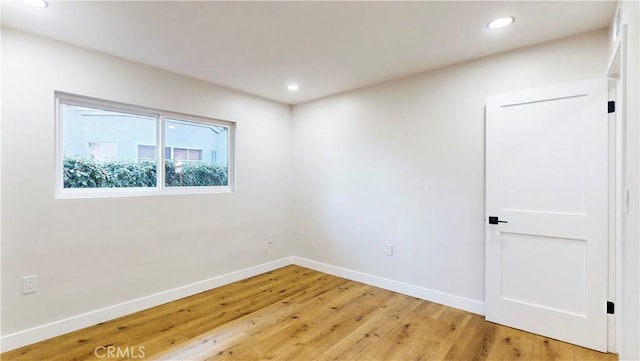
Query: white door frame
619	196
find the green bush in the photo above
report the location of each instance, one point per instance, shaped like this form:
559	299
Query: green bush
83	173
196	174
89	173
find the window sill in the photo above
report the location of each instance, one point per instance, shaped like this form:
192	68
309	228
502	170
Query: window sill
137	192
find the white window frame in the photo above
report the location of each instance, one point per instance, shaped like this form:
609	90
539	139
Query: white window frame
160	115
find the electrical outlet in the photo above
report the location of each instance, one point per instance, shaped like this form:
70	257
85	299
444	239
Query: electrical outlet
29	284
270	238
388	249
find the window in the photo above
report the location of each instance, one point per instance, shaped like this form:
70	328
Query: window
111	149
194	145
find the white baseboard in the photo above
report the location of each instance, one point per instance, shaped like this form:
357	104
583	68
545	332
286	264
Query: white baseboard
395	286
60	327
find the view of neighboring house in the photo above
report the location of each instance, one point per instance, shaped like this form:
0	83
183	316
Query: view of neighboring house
108	135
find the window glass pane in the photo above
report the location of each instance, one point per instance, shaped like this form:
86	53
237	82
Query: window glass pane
200	154
106	149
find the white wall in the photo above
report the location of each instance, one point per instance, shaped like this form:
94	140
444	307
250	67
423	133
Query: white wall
93	253
630	303
403	163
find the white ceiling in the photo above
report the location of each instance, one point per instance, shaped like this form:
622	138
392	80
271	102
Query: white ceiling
326	47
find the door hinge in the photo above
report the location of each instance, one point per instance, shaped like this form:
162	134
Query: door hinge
610	307
611	106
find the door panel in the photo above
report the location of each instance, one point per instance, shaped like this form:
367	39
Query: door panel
546	164
524	275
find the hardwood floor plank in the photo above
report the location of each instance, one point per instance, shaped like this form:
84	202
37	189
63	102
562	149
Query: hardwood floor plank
363	337
327	330
447	327
286	341
295	313
511	344
213	315
474	342
433	310
545	349
272	318
427	350
214	347
427	332
315	325
392	346
313	308
581	353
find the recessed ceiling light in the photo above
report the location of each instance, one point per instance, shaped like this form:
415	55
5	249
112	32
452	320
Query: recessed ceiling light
36	3
501	22
293	86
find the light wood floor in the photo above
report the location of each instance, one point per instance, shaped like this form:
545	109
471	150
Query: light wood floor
298	314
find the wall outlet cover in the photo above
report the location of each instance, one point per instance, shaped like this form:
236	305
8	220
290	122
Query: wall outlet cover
29	284
388	249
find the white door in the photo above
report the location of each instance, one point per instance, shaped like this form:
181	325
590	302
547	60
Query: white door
546	175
